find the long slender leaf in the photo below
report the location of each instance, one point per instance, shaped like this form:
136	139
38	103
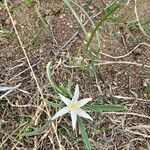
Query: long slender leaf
84	134
53	84
57	88
109	11
69	85
53	104
76	16
101	108
90	19
39	130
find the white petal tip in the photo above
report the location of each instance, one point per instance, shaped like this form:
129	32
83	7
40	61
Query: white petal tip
91	119
76	93
77	85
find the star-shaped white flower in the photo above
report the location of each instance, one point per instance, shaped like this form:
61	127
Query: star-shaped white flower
73	107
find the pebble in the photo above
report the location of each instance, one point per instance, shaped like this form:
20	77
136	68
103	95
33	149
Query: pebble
146	82
71	26
68	24
61	16
8	21
91	7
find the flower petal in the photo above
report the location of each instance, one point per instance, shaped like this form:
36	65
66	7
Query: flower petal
74	119
84	101
76	93
83	114
60	112
65	99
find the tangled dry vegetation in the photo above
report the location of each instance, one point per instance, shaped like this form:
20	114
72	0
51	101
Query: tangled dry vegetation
35	32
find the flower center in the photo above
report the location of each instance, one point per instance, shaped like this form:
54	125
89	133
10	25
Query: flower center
74	106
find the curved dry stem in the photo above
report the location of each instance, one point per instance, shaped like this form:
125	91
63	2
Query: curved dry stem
122	56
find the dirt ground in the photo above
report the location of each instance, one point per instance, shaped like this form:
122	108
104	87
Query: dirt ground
45	28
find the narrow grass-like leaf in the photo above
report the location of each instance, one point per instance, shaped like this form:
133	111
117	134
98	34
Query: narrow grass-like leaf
39	130
84	134
90	19
65	91
53	104
88	2
58	89
53	84
69	85
108	12
117	21
76	16
101	108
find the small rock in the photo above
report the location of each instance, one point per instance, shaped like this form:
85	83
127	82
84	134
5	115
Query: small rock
8	21
68	24
91	7
146	82
71	26
61	16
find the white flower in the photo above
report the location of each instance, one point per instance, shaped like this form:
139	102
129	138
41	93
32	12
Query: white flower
73	107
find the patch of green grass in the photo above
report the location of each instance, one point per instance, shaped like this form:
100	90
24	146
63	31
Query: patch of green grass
2	106
4	33
30	2
2	5
147	91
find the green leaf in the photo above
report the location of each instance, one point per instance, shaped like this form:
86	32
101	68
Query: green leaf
53	84
69	1
39	130
110	10
2	5
88	2
69	85
30	2
50	103
65	91
76	16
57	88
84	134
101	108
